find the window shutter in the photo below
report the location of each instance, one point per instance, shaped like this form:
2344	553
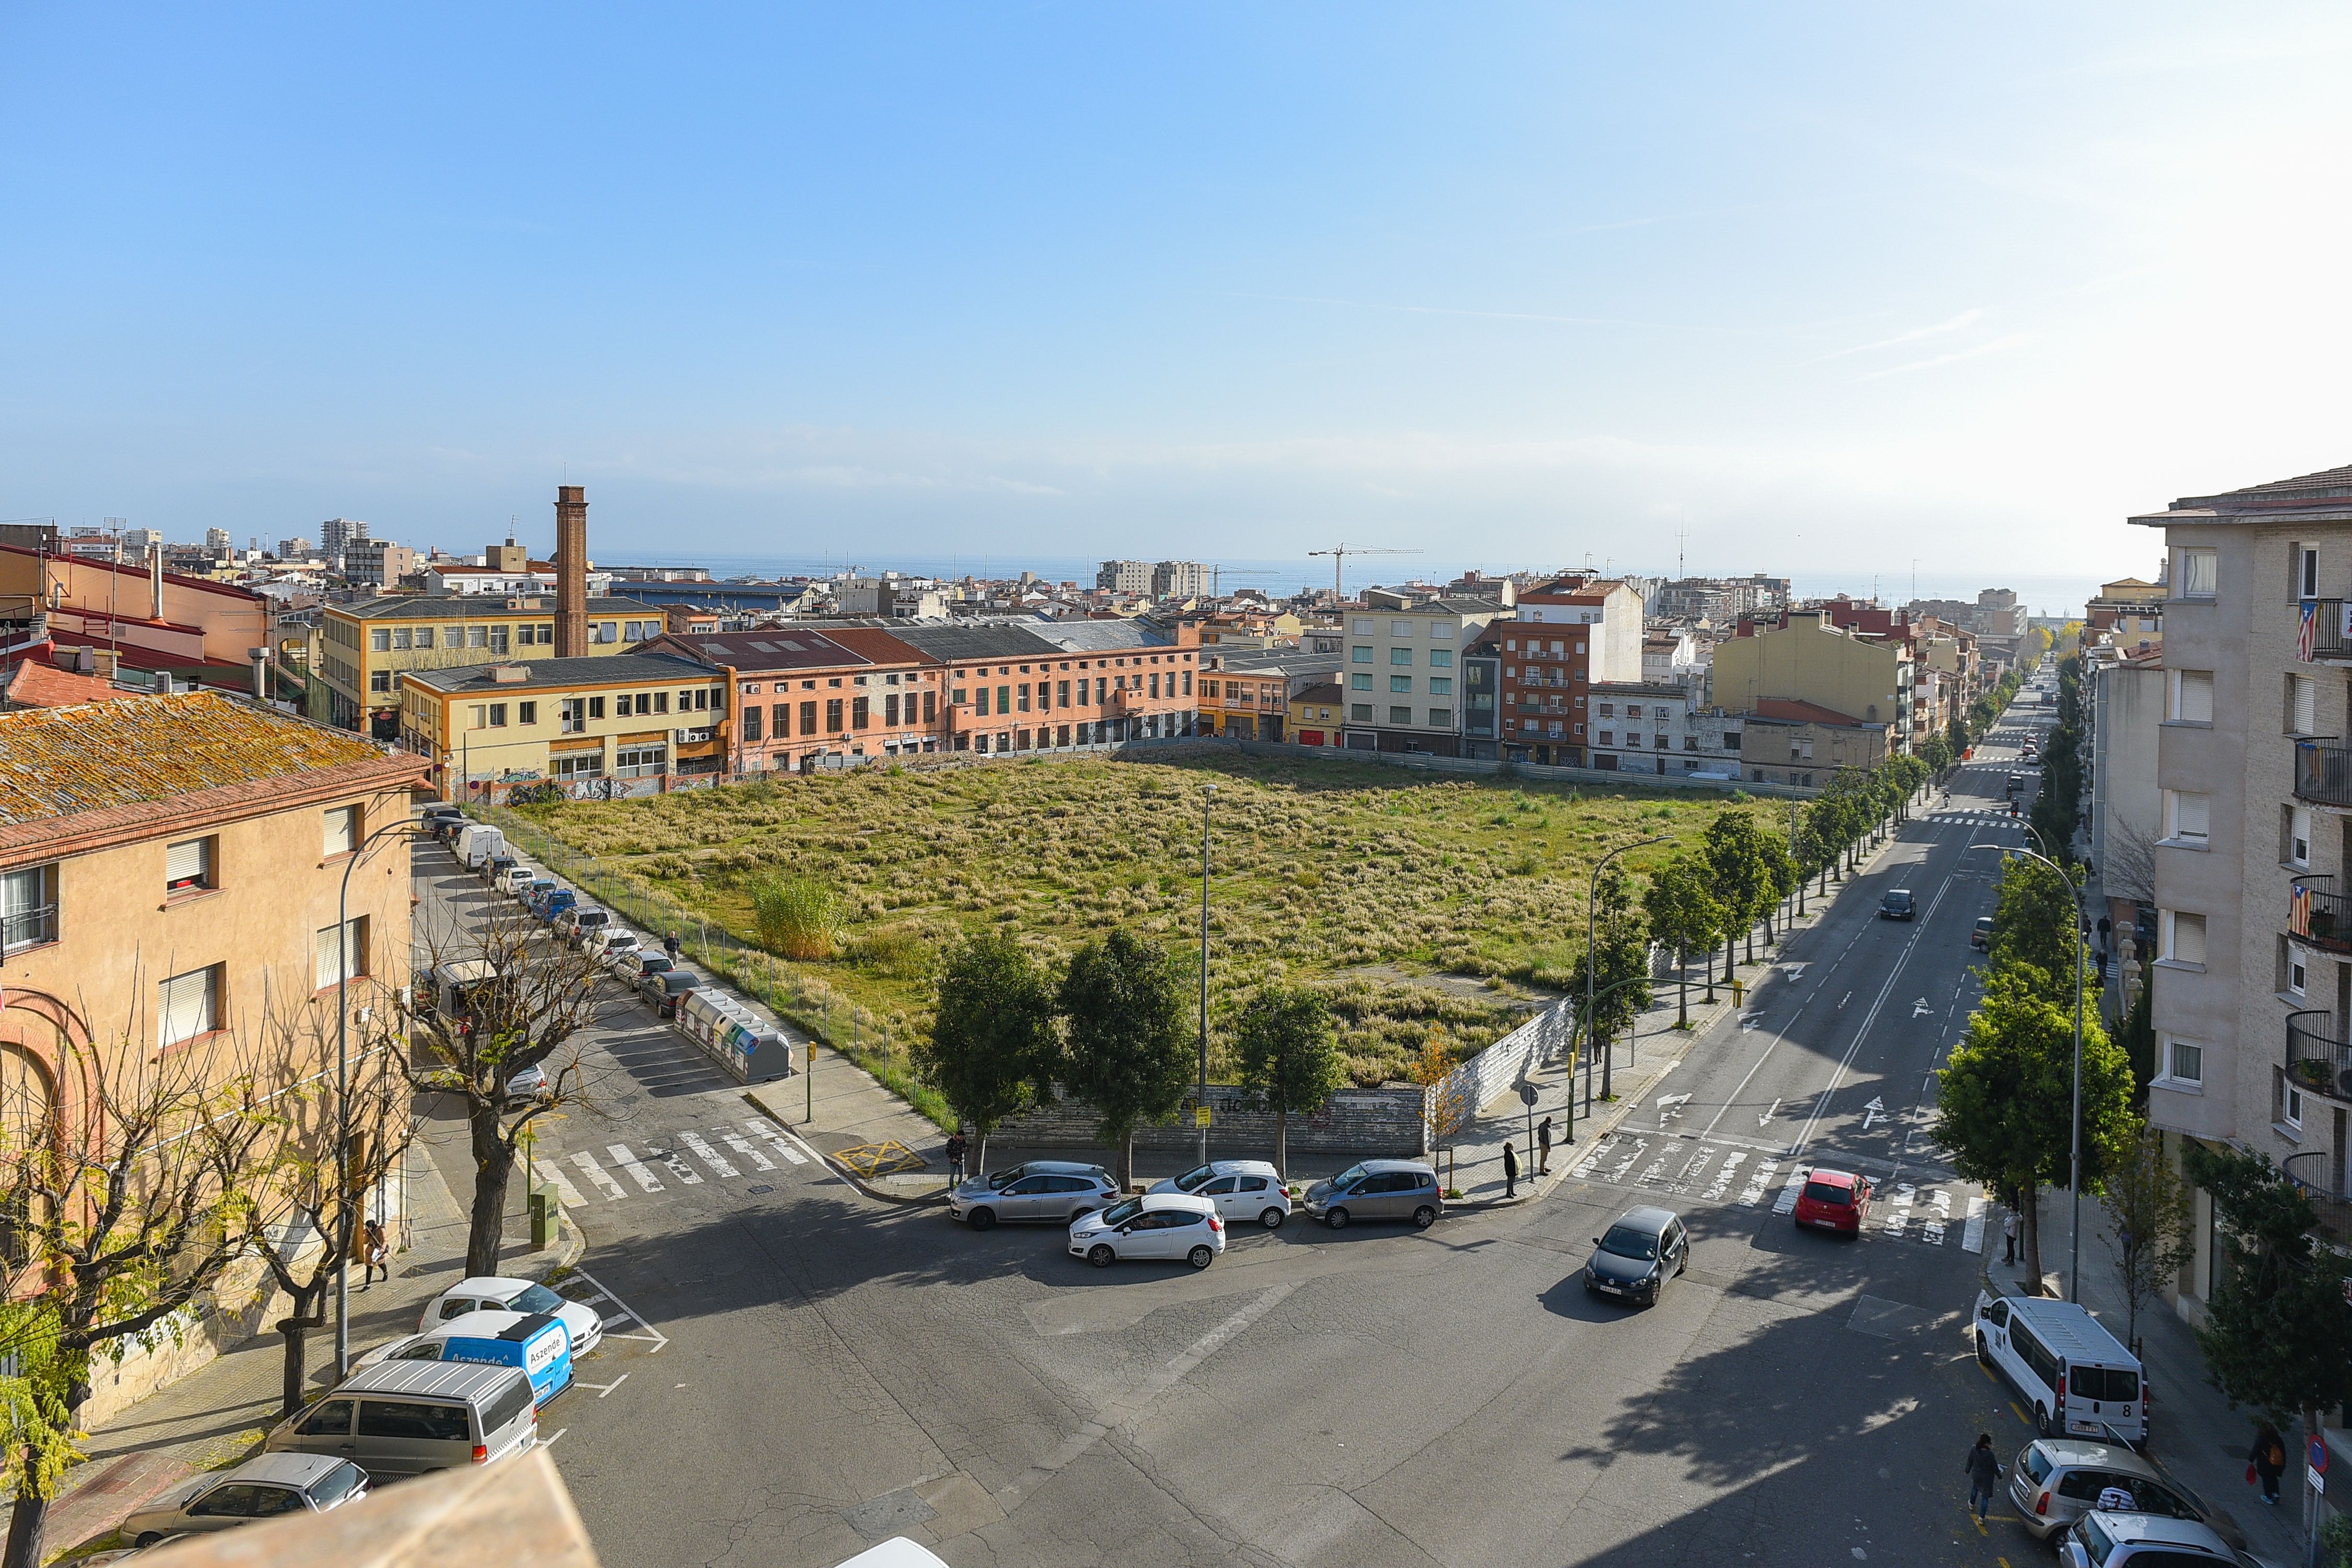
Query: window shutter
188	864
343	826
187	1006
2306	706
331	967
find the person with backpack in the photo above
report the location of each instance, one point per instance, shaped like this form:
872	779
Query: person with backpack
1984	1474
2267	1462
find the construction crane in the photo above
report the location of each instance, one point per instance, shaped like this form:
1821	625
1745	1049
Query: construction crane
1340	562
1217	575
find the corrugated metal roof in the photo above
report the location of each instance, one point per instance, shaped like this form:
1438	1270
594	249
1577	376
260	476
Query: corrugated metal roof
57	761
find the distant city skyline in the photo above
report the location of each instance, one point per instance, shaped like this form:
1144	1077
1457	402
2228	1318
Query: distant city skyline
1949	286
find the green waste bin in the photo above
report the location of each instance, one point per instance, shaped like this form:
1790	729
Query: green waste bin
543	1219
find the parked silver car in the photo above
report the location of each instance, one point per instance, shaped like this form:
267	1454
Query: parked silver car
1059	1191
2054	1481
1245	1191
264	1487
1378	1189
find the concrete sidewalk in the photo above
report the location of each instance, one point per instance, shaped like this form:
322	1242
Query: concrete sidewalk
2192	1431
837	1107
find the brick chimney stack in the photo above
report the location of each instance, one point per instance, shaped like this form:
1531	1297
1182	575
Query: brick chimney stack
571	572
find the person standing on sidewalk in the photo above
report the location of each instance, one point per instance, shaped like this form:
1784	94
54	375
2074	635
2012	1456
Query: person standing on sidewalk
955	1158
1511	1172
1543	1147
1984	1474
2269	1459
376	1253
2009	1237
670	946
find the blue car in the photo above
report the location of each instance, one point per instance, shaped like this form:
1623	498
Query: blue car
536	1341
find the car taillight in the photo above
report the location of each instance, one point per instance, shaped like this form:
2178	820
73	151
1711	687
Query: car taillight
2042	1504
1217	1224
481	1455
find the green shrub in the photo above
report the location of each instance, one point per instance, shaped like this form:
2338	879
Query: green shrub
797	917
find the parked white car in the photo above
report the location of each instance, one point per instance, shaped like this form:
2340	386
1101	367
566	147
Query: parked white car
1247	1192
609	945
515	879
490	1293
1171	1227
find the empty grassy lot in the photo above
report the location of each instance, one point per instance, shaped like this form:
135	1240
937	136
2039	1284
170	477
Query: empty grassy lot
1357	878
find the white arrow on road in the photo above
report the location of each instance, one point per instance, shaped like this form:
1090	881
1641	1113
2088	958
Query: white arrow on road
1793	971
1872	1112
1920	1008
1672	1104
1766	1116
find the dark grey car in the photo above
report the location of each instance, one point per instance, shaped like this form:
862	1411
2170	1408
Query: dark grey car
1378	1189
1642	1251
663	988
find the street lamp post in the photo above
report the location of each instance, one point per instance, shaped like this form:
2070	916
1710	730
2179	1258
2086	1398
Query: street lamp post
2074	1156
1201	1111
1591	954
343	1096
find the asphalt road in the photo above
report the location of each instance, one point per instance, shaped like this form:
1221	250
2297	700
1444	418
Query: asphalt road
796	1370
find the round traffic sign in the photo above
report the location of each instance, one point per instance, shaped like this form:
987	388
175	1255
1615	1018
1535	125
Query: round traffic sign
2319	1455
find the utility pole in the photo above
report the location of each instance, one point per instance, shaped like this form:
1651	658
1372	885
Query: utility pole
1592	957
1200	1112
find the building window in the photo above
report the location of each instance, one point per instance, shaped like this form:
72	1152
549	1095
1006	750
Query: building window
1440	686
1441	717
1361	712
497	715
526	712
187	1006
499	638
1441	631
1399	715
2302	705
2197	573
2190	696
476	636
380	639
2306	573
338	962
580	765
1362	626
1400	656
638	762
860	712
833	716
604	631
1440	657
1361	654
572	716
188	866
2187	816
2184	1064
808	718
28	906
751	722
2183	936
342	825
1401	683
379	681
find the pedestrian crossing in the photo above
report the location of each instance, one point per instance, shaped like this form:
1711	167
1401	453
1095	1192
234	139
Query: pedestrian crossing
1977	819
1665	1166
725	1152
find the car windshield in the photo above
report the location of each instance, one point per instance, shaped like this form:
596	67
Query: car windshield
336	1485
2098	1545
1120	1213
1193	1178
1348	1177
1626	1241
996	1184
535	1299
652	963
2037	1463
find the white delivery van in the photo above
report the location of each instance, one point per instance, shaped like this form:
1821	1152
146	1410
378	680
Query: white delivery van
477	842
2075	1377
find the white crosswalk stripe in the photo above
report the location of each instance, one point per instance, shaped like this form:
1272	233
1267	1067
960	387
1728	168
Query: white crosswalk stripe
565	1193
628	1162
685	1174
1787	1202
742	1145
596	1175
776	1140
1973	1239
1727	1174
706	1153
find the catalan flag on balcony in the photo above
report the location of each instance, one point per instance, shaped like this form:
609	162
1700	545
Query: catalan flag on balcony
2298	911
2307	636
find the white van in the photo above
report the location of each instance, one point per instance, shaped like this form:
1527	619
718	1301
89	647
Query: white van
2074	1374
476	842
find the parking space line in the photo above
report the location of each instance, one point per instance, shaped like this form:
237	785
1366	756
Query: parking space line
565	1193
652	1335
628	1162
595	1174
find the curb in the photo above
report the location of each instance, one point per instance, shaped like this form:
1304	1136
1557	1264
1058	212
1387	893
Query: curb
880	1195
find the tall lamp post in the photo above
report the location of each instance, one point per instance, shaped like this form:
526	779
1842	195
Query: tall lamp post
2074	1157
344	1094
1201	1111
1591	954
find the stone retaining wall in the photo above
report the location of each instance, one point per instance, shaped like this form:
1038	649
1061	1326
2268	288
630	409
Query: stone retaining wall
1368	1122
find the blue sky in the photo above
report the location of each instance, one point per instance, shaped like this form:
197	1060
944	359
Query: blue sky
1823	287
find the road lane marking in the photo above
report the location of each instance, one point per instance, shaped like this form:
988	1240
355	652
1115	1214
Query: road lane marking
565	1193
1770	1112
595	1174
1787	1202
628	1162
1972	1233
1758	1180
742	1145
1861	1032
1874	1111
706	1154
651	1335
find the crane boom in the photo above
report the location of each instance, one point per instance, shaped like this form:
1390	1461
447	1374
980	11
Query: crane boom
1340	560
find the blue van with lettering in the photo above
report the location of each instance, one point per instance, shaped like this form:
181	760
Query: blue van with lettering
536	1341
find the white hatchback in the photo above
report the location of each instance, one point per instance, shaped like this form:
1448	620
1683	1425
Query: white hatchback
489	1293
1169	1226
1247	1192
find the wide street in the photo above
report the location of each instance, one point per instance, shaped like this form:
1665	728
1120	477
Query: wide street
810	1369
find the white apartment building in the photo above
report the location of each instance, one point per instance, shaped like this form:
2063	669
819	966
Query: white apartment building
1403	672
1179	580
1124	576
2253	974
1645	727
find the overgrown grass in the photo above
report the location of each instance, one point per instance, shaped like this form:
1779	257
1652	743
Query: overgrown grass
1318	870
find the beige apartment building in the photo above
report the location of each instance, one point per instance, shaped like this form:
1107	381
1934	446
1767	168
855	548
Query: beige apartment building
1866	679
632	720
363	649
1401	670
2252	972
171	868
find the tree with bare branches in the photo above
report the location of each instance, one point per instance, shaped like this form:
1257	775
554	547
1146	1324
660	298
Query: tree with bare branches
127	1206
496	997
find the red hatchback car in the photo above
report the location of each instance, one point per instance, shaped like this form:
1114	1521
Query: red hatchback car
1833	1200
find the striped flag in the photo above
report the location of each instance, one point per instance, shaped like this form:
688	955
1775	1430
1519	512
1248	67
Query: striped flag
2298	911
2307	637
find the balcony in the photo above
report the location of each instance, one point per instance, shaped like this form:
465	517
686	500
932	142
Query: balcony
2331	641
29	928
2317	1177
2323	774
2317	916
2316	1059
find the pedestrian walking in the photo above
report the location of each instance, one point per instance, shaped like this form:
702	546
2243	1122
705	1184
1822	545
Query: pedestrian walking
1511	1172
670	946
2268	1457
1543	1147
1984	1474
955	1158
2008	1236
376	1253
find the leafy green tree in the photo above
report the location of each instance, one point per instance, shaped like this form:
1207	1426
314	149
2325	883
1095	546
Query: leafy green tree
993	1047
2278	1332
37	1380
2148	1204
1684	910
2035	926
1620	961
1289	1056
1126	1050
1781	876
1936	752
1956	736
1740	857
2005	1105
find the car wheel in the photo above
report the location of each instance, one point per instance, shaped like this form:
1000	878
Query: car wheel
1201	1257
149	1539
1984	1352
2042	1421
1337	1219
982	1219
1101	1254
1272	1219
1423	1217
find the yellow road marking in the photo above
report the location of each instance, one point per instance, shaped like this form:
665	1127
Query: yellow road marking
1988	1372
871	1160
2013	1410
